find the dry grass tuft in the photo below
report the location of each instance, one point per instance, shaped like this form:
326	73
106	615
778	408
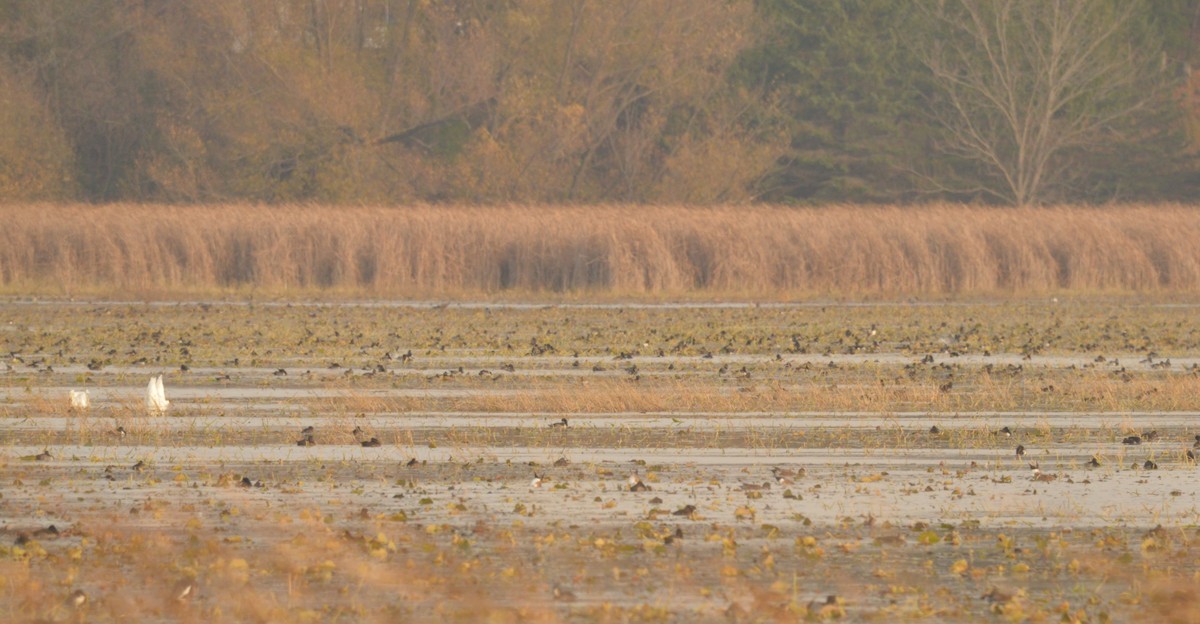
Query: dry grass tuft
745	250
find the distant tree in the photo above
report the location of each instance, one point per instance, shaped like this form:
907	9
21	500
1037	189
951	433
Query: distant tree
1038	99
844	85
82	59
35	157
699	101
619	101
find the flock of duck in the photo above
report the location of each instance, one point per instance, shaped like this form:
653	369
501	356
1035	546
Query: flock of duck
308	437
157	404
1094	462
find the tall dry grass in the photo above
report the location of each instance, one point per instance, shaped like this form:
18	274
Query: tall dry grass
419	250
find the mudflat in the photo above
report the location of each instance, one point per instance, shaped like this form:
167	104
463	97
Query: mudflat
551	462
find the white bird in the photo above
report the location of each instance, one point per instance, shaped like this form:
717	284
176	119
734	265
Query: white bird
80	400
156	397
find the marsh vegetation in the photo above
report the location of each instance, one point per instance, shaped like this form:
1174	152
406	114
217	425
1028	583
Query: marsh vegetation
531	252
789	461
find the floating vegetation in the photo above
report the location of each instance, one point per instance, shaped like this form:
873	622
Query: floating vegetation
839	479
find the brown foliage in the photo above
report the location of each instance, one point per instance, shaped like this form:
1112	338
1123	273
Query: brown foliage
354	101
35	158
617	249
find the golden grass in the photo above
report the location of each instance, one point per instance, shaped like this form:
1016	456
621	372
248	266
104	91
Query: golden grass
130	572
974	391
1089	390
458	250
253	559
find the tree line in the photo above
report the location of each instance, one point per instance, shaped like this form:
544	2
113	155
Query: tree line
578	101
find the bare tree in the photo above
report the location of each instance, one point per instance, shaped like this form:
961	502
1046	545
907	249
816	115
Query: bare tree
1023	87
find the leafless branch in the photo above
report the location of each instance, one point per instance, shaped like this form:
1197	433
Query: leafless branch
1024	83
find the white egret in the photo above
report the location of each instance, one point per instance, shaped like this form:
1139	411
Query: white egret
80	400
156	397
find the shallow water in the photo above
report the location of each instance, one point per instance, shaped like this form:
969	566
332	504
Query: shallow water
182	396
1065	303
988	487
472	362
467	519
291	416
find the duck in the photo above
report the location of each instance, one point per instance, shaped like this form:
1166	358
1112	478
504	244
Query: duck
686	510
77	599
563	594
999	595
1038	475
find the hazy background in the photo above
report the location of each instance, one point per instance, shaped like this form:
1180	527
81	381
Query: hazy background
578	101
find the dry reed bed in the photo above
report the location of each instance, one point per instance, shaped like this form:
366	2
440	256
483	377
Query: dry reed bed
976	392
936	249
1098	392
